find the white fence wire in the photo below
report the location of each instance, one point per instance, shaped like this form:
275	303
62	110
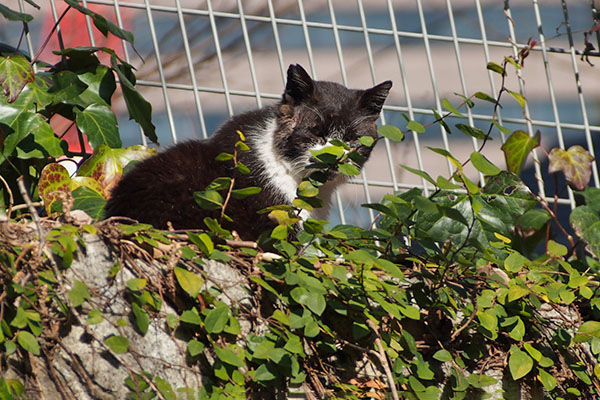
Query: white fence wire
201	61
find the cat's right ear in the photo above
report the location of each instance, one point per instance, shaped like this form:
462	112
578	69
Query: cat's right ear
299	86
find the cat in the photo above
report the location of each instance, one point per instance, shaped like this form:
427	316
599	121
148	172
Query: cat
160	189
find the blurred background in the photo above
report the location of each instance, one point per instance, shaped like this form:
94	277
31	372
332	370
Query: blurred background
198	62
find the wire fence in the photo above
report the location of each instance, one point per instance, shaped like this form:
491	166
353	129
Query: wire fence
200	62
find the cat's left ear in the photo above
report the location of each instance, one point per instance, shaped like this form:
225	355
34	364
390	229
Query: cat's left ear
372	99
299	87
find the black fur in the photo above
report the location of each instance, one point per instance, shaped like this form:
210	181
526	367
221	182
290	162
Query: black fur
160	188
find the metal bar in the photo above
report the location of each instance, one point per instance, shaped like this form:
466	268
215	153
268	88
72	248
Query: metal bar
160	71
213	27
249	53
553	101
311	24
192	71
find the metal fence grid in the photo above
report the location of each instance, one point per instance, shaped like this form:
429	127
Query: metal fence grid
202	61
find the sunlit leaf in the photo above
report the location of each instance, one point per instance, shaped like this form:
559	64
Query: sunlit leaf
15	73
576	163
517	147
519	363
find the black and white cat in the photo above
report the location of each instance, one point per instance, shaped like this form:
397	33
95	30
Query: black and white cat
311	113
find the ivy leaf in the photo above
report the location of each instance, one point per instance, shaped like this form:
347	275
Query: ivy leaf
190	282
517	147
227	356
28	342
492	66
575	163
586	223
263	374
548	380
519	363
142	320
203	241
216	319
348	169
99	123
94	317
139	109
587	331
415	126
89	200
519	97
448	106
118	344
12	15
391	132
195	347
472	131
485	96
15	73
101	23
79	293
483	165
245	192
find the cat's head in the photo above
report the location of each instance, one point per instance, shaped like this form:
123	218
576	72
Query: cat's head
312	113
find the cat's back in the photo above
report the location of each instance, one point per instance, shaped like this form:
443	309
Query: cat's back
163	185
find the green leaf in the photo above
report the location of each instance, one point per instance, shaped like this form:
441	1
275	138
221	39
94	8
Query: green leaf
472	131
348	169
448	106
415	126
587	331
118	344
492	66
94	317
28	342
216	319
515	262
12	15
99	123
15	73
90	201
485	96
190	282
517	147
519	363
262	374
391	132
586	223
519	97
443	355
224	157
227	356
101	23
245	192
79	293
483	165
422	174
209	199
66	87
191	317
576	163
548	380
136	284
195	347
142	320
139	109
203	241
366	141
306	189
556	249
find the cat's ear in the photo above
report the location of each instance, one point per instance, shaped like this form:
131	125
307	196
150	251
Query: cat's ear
299	86
371	101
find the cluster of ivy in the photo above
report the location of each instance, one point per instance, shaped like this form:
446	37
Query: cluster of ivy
441	290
